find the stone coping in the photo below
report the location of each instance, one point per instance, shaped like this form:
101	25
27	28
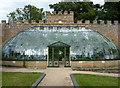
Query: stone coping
71	60
74	81
38	81
20	60
77	86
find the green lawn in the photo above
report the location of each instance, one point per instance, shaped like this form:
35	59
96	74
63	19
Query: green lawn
95	80
19	78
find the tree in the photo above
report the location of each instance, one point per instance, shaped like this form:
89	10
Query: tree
112	10
82	10
89	11
29	13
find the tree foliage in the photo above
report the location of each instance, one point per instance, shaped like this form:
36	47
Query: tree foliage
82	11
29	13
112	10
89	11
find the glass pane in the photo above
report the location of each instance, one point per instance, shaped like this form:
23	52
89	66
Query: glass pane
86	44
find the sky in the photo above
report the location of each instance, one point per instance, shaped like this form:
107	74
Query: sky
7	6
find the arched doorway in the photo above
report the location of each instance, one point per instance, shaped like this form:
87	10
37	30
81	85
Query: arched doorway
58	54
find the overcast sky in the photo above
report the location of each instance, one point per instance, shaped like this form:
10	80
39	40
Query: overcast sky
7	6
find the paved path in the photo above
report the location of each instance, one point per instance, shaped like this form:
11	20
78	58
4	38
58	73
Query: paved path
55	76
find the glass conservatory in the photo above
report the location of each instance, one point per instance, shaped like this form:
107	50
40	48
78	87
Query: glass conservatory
59	43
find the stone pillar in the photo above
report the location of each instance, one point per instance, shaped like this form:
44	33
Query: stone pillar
54	12
59	12
87	21
3	21
64	52
102	22
65	12
109	22
40	22
95	22
115	21
79	22
47	12
71	12
52	54
48	21
18	22
33	22
26	22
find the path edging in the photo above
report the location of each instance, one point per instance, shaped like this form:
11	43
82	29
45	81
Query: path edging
38	81
74	81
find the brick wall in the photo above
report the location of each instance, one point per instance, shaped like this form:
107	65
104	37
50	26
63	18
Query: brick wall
57	17
109	30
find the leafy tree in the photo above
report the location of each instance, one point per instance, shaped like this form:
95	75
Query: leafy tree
29	13
12	16
82	10
89	11
112	10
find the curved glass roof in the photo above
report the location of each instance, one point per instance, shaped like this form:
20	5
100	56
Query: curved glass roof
84	42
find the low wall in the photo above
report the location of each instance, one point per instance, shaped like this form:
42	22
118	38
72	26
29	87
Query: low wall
13	63
95	64
32	64
79	65
36	64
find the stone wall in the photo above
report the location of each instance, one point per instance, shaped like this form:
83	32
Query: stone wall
111	66
74	64
95	64
36	64
13	63
30	64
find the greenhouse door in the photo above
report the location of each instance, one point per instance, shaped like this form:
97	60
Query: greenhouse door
58	54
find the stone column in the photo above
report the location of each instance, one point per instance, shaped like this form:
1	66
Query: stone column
26	22
52	55
115	21
33	22
95	22
64	52
79	22
87	21
65	56
18	22
109	22
102	22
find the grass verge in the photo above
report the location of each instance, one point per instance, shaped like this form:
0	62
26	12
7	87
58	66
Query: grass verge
19	78
96	80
